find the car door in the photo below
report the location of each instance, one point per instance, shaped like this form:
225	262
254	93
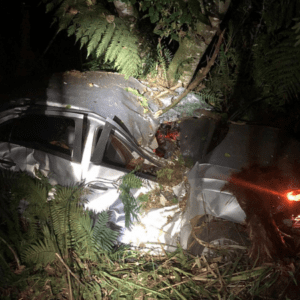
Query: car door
111	153
47	140
12	156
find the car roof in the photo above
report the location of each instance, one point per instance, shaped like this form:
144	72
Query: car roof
102	93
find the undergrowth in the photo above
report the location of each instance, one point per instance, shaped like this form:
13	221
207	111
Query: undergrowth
50	250
257	70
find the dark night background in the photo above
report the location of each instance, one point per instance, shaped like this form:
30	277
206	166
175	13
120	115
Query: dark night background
26	33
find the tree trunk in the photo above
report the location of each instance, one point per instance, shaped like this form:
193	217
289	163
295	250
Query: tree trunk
126	10
27	56
192	47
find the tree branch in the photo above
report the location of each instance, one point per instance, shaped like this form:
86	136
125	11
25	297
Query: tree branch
68	269
13	252
199	78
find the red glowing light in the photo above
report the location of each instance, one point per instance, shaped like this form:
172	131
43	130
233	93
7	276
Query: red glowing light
293	195
253	186
296	221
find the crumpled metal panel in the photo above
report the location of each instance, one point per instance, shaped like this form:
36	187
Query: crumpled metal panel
248	144
153	229
243	145
104	93
13	157
206	197
56	169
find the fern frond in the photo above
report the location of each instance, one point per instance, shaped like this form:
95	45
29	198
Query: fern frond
119	41
115	41
106	39
132	181
97	36
297	31
279	14
131	207
92	290
103	236
282	71
42	252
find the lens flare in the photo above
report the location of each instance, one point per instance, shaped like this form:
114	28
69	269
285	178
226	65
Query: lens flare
253	186
293	195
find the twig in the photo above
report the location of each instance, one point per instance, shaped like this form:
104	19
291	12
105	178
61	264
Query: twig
166	90
62	261
13	252
178	85
162	94
211	246
176	284
208	267
199	78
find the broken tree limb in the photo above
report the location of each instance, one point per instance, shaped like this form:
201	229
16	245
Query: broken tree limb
199	78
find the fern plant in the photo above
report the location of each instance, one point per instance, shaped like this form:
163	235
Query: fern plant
70	228
100	32
222	79
57	234
277	66
46	227
258	66
131	205
20	222
160	58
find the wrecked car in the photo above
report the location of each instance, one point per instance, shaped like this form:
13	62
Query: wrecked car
71	141
74	136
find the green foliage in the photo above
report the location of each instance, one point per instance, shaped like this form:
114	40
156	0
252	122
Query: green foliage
47	227
143	100
131	205
258	67
165	172
120	273
278	15
222	79
277	66
103	34
154	61
164	58
18	227
171	16
95	63
143	200
70	227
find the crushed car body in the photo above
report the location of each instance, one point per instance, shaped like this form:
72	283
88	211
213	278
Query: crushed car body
71	144
90	129
243	146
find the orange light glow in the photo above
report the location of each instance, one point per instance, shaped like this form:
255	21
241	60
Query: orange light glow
292	196
254	186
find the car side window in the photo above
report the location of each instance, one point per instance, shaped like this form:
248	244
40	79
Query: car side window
45	133
117	153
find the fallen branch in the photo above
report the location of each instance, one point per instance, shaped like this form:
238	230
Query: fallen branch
199	78
68	269
13	252
215	247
